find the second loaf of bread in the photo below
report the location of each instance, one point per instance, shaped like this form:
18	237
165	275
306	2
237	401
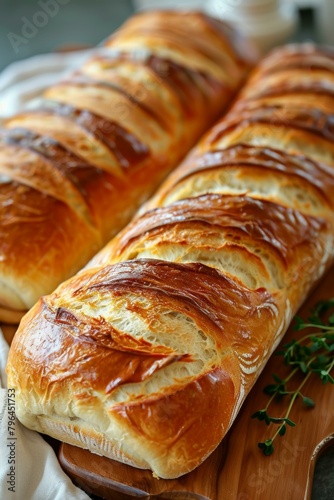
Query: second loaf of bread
147	355
74	169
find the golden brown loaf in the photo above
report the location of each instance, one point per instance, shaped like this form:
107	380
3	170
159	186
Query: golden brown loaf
74	170
147	355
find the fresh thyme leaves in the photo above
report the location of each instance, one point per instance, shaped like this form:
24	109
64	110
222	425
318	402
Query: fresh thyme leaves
310	355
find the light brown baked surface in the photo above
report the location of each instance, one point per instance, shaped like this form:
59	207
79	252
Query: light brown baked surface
147	354
74	170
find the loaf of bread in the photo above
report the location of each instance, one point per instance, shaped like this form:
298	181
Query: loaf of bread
147	355
74	169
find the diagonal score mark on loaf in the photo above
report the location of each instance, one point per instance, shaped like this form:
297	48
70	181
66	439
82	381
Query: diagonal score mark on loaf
254	201
261	172
167	325
250	239
123	108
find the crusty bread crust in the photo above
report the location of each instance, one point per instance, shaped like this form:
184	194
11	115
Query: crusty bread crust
155	345
75	169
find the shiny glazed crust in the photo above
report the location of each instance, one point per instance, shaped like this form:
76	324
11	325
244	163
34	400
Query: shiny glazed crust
74	169
147	355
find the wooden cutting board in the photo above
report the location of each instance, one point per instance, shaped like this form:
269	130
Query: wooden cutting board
237	470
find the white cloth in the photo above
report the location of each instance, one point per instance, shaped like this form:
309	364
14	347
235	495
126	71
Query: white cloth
29	468
23	81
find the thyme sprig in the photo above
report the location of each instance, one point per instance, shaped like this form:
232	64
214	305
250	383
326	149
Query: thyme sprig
310	355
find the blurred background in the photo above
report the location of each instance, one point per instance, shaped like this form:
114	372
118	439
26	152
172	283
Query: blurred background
29	27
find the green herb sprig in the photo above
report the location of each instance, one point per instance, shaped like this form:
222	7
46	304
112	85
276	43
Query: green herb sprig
310	355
